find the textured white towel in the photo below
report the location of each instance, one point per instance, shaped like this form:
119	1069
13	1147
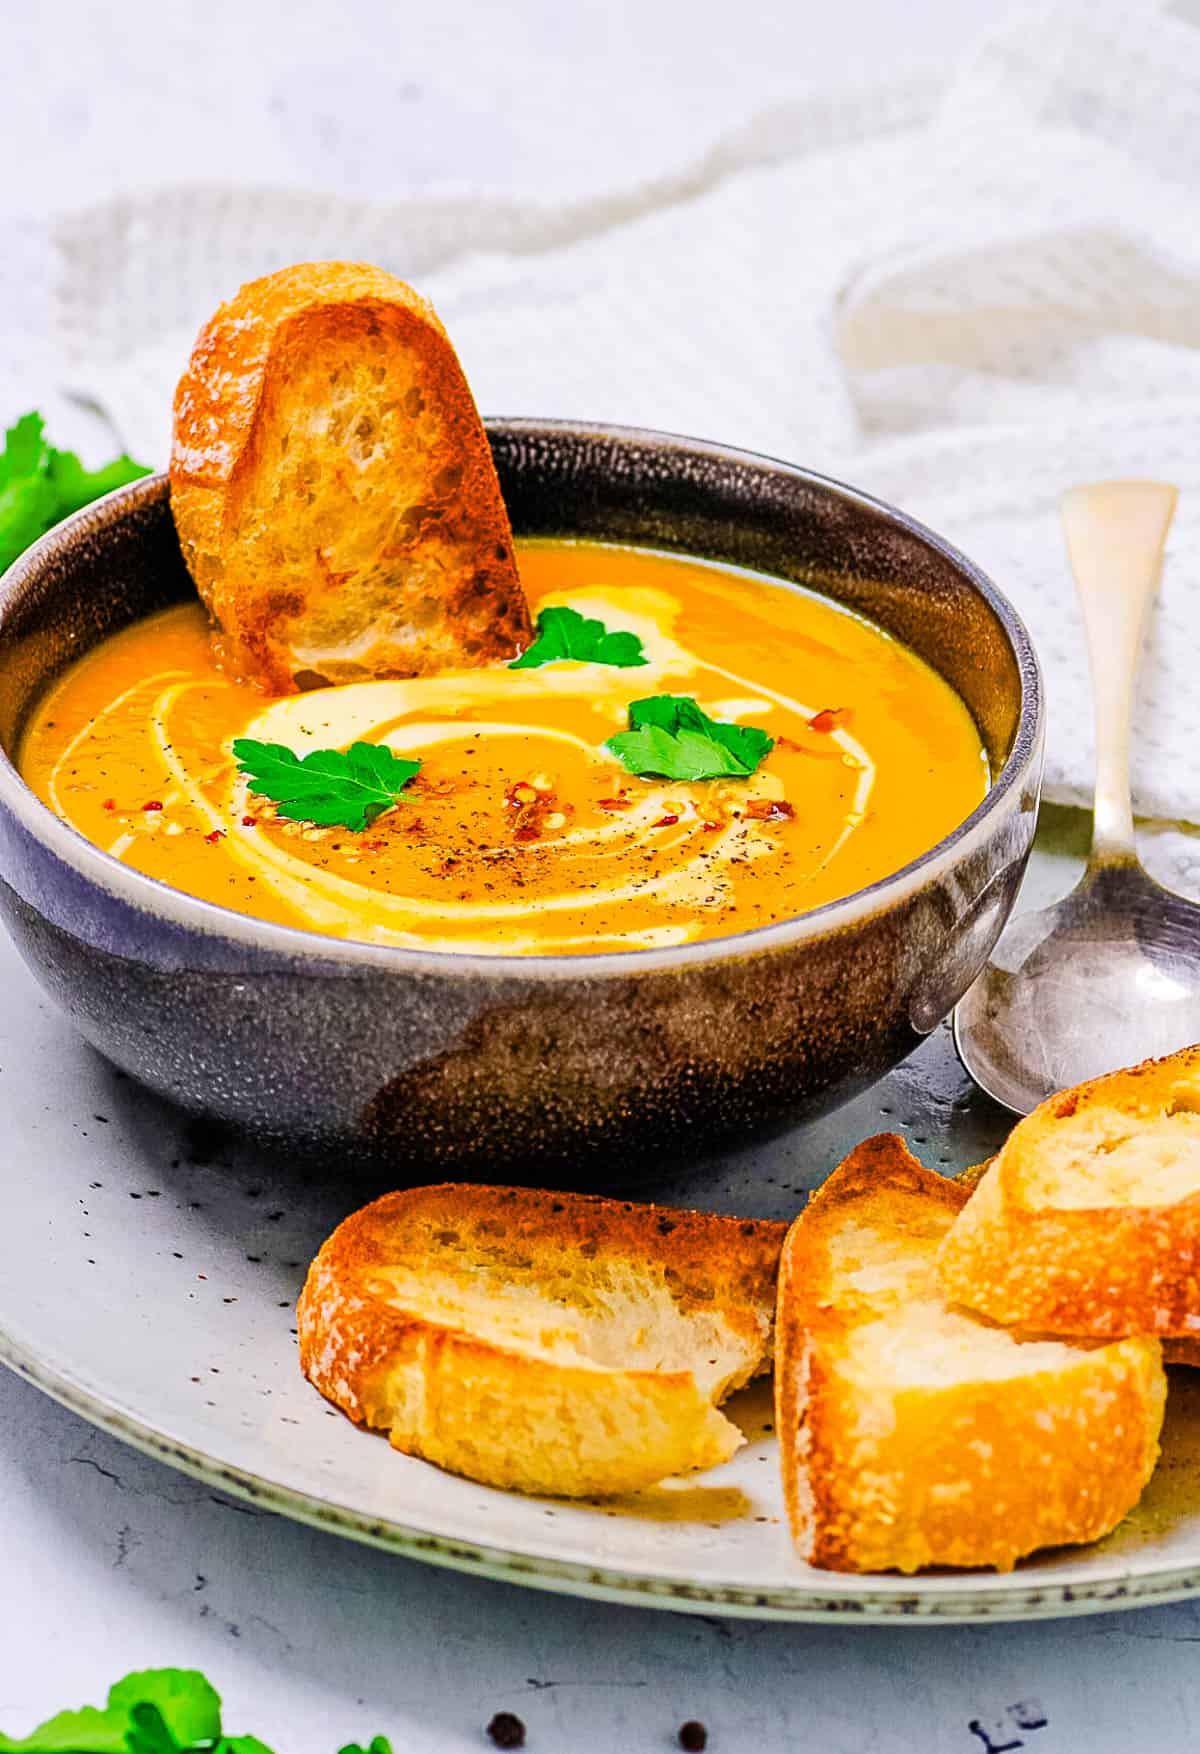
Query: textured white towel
963	304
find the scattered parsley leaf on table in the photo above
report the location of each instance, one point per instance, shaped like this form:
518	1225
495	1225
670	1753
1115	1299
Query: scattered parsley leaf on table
669	735
156	1711
148	1733
39	485
185	1703
565	633
88	1731
334	788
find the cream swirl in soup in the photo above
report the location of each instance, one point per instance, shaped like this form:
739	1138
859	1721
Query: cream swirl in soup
522	832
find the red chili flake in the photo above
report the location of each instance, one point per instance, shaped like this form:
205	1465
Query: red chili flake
216	835
769	809
829	718
249	821
372	846
109	804
527	831
665	822
154	804
614	804
710	827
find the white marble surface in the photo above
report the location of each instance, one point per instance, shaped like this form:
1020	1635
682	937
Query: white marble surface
110	1561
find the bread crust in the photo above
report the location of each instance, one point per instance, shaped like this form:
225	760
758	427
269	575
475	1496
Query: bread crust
535	1418
1098	1271
333	487
891	1472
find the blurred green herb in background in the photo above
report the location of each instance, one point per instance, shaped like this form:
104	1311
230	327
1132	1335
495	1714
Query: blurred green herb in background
40	486
155	1711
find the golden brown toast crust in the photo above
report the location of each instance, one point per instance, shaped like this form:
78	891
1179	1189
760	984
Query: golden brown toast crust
386	504
894	1474
355	1333
1099	1271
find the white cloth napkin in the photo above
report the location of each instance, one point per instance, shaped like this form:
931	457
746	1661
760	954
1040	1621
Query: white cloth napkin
963	303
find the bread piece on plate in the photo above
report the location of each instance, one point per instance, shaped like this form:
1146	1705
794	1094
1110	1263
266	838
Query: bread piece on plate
333	488
549	1343
912	1434
1089	1223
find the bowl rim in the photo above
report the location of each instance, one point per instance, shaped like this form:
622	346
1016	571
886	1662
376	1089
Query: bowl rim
153	896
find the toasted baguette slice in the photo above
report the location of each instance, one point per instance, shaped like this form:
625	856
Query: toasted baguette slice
912	1434
551	1343
333	488
1089	1223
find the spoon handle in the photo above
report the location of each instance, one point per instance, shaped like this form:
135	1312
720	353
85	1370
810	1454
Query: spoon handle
1115	533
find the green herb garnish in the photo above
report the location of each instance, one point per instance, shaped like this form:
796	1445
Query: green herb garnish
158	1711
334	788
40	486
565	633
670	736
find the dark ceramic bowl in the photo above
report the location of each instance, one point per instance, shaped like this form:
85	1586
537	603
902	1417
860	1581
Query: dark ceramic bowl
532	1065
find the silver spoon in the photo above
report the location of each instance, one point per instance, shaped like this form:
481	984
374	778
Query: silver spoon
1110	975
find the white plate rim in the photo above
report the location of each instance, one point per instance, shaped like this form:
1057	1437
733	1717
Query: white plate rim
846	1600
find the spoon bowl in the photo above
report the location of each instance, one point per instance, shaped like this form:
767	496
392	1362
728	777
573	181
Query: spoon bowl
1108	976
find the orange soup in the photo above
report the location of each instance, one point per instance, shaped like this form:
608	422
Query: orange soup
521	832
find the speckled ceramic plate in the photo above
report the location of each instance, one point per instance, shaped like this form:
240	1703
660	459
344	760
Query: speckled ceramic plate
148	1273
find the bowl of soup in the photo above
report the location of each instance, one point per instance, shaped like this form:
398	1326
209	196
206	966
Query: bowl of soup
535	958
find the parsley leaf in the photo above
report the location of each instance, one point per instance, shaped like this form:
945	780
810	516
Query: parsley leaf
186	1705
157	1711
333	787
148	1733
88	1731
39	486
565	633
670	736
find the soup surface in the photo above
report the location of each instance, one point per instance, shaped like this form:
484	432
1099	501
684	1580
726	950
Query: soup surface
521	832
